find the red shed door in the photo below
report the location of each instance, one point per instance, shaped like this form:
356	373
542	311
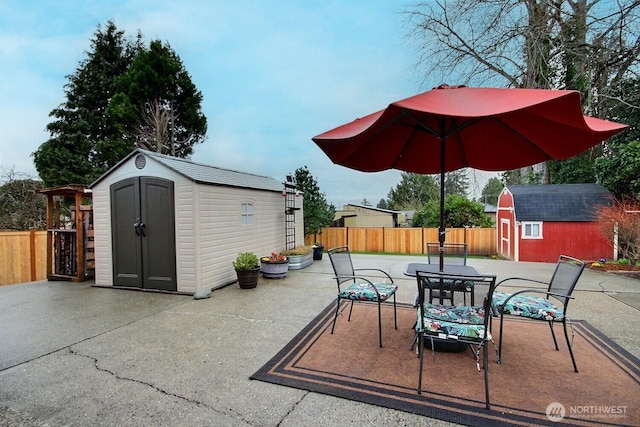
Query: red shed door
505	238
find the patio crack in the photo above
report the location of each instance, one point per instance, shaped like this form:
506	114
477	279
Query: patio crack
293	408
231	413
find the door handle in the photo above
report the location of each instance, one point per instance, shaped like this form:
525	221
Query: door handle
139	228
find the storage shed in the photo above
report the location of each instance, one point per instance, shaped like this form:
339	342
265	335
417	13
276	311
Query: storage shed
368	216
541	222
170	224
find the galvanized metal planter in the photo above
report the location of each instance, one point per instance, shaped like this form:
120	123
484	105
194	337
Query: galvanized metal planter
274	269
298	262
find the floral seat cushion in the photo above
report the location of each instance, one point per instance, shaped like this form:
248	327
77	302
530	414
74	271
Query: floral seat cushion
527	306
458	322
364	292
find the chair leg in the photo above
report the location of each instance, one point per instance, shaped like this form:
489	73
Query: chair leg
464	293
379	324
395	317
553	334
414	343
485	355
566	336
500	344
421	353
350	311
336	315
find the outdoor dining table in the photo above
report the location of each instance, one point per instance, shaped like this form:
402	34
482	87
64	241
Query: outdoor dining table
461	270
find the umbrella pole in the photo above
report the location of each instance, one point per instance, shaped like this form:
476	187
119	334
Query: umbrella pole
441	229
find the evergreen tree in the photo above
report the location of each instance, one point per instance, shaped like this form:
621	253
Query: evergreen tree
317	212
456	182
81	145
413	191
121	96
491	191
157	106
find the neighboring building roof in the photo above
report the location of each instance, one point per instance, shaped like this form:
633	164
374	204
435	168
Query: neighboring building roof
489	208
559	202
373	208
204	174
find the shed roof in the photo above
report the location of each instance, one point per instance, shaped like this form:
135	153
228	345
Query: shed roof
204	174
372	208
558	202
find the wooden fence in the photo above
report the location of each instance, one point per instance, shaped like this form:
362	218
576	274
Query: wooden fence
480	241
23	256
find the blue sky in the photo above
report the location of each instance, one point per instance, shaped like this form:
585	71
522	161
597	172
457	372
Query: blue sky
273	74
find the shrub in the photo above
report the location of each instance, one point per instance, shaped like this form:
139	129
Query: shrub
246	261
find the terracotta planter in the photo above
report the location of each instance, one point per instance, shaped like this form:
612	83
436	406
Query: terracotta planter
274	270
248	279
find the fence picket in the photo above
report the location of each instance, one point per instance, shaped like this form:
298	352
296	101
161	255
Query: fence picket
480	241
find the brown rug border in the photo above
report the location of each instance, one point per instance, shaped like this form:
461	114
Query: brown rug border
277	371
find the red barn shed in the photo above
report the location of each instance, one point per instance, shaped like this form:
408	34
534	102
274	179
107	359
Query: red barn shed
541	222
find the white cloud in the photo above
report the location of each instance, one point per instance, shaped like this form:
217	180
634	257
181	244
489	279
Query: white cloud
273	75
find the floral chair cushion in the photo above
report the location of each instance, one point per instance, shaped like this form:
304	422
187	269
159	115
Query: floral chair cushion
461	322
364	292
527	306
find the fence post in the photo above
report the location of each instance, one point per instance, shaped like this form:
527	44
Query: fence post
32	253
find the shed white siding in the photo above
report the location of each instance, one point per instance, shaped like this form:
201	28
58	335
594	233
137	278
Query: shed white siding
208	225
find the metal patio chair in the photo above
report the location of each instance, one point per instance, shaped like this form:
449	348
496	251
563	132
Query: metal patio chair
523	304
454	325
354	286
454	254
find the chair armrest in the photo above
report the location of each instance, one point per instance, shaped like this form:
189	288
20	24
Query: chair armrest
524	279
375	269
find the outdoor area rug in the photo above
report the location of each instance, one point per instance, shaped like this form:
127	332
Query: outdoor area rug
535	385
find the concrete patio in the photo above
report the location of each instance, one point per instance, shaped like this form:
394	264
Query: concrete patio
73	354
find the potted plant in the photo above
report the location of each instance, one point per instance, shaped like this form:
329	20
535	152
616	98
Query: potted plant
247	270
318	248
274	266
299	257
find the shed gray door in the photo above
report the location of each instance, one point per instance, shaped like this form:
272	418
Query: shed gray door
143	233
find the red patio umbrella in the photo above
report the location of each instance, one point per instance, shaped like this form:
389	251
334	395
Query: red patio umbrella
452	127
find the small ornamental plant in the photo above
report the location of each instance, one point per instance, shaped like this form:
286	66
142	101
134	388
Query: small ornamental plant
275	258
246	261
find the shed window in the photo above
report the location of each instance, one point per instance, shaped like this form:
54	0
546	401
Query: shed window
532	230
246	213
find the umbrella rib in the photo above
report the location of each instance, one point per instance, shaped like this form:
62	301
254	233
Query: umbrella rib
410	138
526	140
443	133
